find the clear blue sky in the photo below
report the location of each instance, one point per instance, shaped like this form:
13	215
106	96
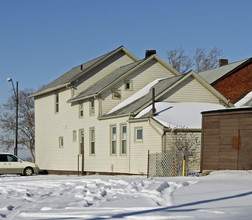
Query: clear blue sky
41	40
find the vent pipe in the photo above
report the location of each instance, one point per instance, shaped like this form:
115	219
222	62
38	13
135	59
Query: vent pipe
153	102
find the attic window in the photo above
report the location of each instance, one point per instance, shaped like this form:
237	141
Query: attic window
116	94
128	85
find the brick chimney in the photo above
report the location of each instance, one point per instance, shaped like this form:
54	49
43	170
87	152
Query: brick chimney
223	62
149	53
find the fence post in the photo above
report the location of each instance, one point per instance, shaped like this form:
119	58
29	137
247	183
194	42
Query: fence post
148	164
173	167
184	166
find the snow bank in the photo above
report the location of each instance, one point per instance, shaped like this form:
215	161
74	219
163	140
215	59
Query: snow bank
221	195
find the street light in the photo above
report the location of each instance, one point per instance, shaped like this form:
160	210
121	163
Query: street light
16	96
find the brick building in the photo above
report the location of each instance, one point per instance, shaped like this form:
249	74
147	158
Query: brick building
233	81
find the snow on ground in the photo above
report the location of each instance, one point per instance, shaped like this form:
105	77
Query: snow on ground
221	195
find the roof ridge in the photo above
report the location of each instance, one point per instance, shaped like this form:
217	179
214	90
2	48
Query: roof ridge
244	60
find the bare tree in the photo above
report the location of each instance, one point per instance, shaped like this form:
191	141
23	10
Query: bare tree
186	141
179	61
200	61
204	61
26	134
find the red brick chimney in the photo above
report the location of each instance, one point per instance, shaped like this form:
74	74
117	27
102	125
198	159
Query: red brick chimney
223	62
149	53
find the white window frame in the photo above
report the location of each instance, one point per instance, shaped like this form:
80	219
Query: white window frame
136	134
113	140
74	135
116	97
81	110
61	142
92	108
57	103
123	140
130	83
92	140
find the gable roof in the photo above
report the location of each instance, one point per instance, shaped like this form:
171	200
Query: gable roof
78	71
117	75
105	82
133	105
219	72
161	87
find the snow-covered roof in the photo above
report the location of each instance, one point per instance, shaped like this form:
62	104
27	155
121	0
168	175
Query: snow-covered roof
245	101
184	114
142	92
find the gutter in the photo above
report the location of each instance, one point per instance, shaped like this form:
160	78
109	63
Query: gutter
49	90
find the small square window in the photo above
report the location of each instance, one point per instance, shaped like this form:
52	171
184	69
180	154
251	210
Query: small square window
139	134
128	85
116	94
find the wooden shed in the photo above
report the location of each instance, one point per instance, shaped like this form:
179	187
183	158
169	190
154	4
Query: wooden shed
227	139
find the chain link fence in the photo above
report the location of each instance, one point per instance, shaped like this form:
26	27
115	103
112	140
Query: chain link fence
169	163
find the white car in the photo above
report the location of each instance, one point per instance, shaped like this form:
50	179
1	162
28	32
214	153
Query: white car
11	164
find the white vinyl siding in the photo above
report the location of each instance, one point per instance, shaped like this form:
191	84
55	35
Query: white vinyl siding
102	70
192	91
139	80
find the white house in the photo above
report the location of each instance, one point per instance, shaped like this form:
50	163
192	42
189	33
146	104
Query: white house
99	117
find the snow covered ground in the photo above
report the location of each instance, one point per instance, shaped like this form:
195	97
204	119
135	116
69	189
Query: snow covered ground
221	195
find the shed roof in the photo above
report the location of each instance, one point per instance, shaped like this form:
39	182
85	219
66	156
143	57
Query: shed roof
214	74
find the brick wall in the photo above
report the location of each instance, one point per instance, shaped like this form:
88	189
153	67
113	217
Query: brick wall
237	85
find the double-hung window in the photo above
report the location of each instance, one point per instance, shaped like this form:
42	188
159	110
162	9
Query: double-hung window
123	139
113	139
92	140
92	107
81	114
57	102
